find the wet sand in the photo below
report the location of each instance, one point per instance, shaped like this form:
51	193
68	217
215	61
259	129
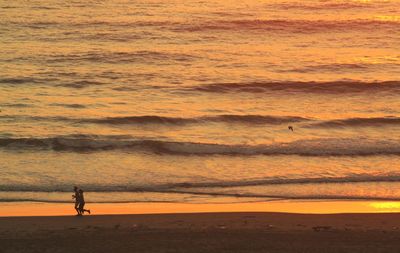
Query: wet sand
203	232
284	206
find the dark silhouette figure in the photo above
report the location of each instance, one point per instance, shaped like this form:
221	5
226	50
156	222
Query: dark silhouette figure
76	197
290	128
81	201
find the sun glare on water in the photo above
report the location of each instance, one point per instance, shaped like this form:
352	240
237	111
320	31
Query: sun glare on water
386	206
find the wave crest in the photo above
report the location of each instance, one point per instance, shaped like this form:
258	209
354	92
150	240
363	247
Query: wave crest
255	120
227	118
359	122
312	147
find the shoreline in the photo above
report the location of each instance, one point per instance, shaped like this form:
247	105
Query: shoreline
242	232
275	227
19	209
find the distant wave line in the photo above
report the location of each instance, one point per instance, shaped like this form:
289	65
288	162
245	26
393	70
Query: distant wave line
336	87
292	86
323	6
281	25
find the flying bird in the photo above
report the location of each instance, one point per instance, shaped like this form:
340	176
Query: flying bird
290	128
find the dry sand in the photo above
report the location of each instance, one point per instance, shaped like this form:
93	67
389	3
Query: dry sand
203	232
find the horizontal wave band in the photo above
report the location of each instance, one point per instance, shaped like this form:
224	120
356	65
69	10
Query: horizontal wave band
64	201
247	119
336	87
114	57
309	87
276	25
260	197
224	118
322	6
291	181
186	186
25	80
250	119
359	122
292	26
308	147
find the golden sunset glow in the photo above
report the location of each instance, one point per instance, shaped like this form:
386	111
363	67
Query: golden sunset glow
393	206
200	126
273	105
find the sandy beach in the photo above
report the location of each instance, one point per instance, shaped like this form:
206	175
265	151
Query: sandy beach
203	232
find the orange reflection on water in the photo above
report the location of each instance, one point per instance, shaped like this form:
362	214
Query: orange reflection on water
312	207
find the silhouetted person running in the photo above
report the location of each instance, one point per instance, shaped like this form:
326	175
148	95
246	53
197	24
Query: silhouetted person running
81	200
76	197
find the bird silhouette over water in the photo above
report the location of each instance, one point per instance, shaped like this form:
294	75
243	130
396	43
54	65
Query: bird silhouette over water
290	128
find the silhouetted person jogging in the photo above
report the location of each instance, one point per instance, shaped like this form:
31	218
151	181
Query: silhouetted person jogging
81	201
76	197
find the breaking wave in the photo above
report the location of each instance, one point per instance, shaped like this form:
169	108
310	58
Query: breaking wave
311	147
288	181
184	187
359	122
60	193
247	119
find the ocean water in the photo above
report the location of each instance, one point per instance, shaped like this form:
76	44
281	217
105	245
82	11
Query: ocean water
190	101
